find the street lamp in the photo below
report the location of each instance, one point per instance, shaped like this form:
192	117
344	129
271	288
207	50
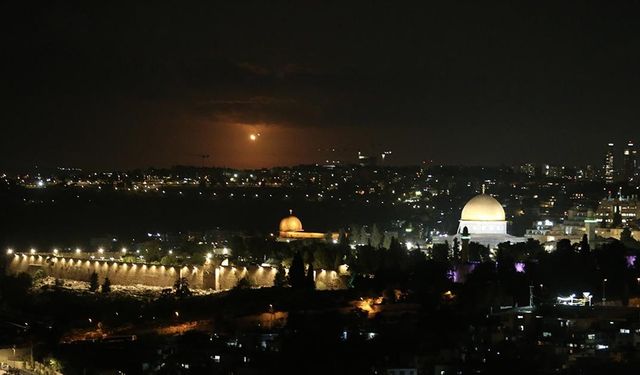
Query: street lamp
604	289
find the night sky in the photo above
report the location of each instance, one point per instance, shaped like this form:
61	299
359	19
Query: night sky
96	85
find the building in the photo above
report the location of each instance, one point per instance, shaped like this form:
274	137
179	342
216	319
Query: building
609	167
553	171
630	162
291	229
483	214
578	222
627	206
485	221
482	220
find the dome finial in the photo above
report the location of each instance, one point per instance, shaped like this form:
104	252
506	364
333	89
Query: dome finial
483	188
290	212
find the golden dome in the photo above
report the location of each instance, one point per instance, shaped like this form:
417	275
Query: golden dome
290	224
483	207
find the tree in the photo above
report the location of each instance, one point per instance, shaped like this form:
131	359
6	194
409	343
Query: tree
181	287
169	260
106	285
342	238
616	221
456	248
243	283
93	282
355	234
627	239
441	252
477	252
395	255
39	275
376	237
152	251
239	247
296	272
386	241
564	246
280	279
584	245
311	283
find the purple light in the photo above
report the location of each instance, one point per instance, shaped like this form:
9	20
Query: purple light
519	266
472	267
631	261
453	276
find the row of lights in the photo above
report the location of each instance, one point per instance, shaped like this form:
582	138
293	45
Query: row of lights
77	251
100	250
56	251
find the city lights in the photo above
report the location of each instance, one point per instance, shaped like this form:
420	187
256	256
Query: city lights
441	188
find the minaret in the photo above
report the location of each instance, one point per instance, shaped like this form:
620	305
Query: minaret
465	237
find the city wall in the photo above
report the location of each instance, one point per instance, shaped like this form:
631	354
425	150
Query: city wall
121	273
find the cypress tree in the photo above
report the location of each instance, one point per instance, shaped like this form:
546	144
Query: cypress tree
106	286
311	283
296	272
93	282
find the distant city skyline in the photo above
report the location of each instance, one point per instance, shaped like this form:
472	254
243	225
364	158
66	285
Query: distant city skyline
619	167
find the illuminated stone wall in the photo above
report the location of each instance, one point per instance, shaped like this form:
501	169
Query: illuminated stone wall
228	277
121	273
329	280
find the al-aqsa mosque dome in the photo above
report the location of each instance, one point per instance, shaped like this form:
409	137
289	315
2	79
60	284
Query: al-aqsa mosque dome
483	214
290	224
291	229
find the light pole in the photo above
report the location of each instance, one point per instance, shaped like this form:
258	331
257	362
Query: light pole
604	289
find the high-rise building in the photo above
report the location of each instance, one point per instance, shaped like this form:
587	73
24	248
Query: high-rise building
630	162
608	168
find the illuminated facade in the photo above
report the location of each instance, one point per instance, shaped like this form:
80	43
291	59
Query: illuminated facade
483	214
608	167
291	229
628	208
485	220
630	162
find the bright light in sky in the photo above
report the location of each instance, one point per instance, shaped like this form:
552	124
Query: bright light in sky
253	137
